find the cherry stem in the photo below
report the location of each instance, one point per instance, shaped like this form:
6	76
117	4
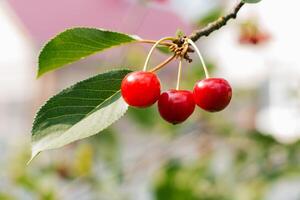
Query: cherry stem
153	48
200	56
179	74
154	41
161	65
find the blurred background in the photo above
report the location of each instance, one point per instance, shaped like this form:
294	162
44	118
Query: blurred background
250	151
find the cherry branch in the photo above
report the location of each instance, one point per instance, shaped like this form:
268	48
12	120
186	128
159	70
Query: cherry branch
216	25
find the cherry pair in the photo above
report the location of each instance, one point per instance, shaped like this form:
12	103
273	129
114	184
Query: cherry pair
142	89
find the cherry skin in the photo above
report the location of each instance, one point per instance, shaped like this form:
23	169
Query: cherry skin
175	106
140	89
212	94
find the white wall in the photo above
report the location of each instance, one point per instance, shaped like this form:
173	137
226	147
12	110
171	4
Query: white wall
16	75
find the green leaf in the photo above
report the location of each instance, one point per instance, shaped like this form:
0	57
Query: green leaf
251	1
179	33
77	43
79	111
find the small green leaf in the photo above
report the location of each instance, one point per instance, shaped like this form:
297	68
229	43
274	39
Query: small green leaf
79	111
77	43
179	33
251	1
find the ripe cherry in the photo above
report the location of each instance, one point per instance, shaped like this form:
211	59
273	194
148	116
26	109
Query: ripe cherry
140	89
212	94
175	106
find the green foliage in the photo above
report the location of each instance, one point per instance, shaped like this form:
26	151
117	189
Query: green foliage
79	111
195	73
249	163
83	161
87	107
147	117
251	1
4	196
107	144
77	43
194	182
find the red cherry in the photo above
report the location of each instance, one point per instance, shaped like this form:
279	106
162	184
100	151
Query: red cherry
212	94
175	106
140	89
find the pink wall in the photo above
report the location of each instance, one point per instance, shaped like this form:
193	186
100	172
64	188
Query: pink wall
43	19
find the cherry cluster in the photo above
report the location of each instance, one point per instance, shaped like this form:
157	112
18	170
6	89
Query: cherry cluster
142	89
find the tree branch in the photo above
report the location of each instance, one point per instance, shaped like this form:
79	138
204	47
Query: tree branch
222	21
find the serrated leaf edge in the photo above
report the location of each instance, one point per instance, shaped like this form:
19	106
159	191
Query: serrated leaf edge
135	37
